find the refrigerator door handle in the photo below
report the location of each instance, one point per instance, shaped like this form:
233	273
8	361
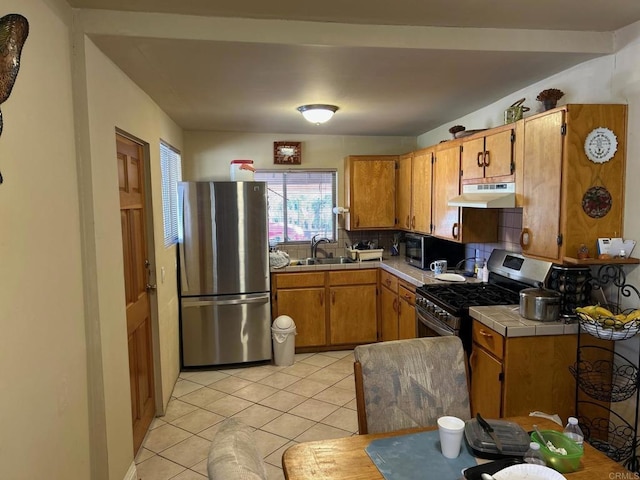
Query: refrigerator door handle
236	301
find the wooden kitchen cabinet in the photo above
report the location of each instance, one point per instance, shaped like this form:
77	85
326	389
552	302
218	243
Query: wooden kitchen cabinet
353	307
370	191
465	225
302	296
558	174
329	308
413	200
397	308
489	157
517	375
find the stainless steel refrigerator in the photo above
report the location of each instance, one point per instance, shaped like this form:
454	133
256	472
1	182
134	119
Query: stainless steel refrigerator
225	308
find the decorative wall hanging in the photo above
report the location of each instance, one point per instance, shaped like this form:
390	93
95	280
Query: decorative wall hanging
14	30
600	145
596	202
287	153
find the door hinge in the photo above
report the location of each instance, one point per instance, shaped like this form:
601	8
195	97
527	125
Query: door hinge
559	239
563	129
397	165
513	167
513	136
461	172
460	148
501	377
433	158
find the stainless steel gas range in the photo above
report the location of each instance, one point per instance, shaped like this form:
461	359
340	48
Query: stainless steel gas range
443	308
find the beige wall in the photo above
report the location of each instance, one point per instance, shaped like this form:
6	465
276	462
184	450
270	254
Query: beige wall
207	154
113	101
44	424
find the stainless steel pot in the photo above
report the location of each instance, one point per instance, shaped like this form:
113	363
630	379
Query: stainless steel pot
540	304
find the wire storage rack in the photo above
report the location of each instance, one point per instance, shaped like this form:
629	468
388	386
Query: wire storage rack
605	377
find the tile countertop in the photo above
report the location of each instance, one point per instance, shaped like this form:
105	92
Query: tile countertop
506	320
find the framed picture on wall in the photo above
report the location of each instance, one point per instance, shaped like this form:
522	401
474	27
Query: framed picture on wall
287	153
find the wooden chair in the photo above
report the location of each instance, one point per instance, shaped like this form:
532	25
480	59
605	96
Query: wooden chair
410	383
233	454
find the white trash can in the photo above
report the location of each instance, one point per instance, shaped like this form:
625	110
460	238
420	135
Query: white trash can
283	332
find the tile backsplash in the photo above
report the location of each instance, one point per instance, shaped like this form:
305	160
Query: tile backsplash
509	227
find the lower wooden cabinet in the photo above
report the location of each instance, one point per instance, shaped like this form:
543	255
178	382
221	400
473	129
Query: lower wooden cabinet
397	308
329	307
517	375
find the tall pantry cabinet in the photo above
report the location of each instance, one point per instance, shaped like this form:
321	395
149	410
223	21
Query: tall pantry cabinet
573	181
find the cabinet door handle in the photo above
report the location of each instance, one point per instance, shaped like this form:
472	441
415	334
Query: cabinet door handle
388	281
407	223
395	305
487	158
321	298
480	160
357	220
484	333
399	307
413	222
333	298
525	237
454	230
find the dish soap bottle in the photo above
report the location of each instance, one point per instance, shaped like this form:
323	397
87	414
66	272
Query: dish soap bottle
573	431
534	455
485	273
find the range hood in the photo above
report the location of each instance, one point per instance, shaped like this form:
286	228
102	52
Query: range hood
486	195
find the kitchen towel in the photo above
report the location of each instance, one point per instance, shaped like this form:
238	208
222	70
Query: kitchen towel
408	457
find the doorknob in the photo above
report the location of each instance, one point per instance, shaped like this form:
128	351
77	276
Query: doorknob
151	287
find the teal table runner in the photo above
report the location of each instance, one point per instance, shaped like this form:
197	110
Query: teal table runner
417	456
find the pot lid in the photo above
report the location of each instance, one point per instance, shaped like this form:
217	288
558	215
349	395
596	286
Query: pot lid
539	292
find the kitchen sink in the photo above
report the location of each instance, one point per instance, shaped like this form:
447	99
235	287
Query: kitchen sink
333	260
325	261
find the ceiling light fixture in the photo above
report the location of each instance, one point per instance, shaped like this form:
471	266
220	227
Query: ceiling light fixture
317	113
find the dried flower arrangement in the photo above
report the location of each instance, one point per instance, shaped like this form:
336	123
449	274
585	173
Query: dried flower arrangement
550	94
550	97
455	129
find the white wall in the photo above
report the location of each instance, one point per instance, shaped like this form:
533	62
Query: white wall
44	422
610	79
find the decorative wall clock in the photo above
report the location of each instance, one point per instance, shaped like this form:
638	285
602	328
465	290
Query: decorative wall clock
287	153
600	145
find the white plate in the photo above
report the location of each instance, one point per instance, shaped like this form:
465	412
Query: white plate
528	471
450	277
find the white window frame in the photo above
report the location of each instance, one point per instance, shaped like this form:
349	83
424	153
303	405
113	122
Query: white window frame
333	235
171	170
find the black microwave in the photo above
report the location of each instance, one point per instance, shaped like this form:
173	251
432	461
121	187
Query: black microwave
421	250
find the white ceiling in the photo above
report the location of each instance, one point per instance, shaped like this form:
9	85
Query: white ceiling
398	67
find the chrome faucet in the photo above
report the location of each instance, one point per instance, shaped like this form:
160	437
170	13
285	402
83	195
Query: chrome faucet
315	242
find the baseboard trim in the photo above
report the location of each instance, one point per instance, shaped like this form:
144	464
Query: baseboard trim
132	473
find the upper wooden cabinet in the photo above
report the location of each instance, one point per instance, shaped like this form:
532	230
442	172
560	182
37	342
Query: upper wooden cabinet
466	225
370	192
413	199
569	200
489	157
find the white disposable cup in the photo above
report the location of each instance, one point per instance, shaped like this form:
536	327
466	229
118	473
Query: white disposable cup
451	430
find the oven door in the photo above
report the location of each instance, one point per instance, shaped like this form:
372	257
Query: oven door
431	327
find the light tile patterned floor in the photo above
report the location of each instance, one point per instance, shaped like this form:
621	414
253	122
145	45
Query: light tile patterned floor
313	399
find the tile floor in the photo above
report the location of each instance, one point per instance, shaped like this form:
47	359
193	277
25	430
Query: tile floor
313	399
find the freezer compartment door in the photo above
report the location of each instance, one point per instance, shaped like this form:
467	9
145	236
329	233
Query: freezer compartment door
223	240
225	329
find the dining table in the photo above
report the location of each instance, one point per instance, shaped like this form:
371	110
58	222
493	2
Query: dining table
346	458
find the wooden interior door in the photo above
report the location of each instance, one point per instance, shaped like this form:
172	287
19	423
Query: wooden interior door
136	269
